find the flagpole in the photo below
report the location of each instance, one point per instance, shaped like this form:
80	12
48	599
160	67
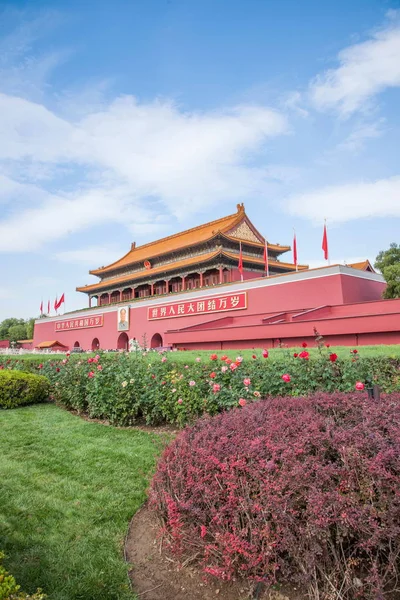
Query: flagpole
329	256
295	244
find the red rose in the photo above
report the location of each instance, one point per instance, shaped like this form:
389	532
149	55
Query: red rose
354	351
224	357
40	366
304	354
265	353
242	402
328	345
295	355
213	357
90	374
254	356
286	377
228	361
213	375
333	357
359	385
57	370
304	344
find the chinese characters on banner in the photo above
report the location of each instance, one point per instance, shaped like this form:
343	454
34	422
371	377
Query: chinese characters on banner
199	307
96	321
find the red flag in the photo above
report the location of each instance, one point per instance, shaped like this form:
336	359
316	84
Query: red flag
41	307
325	243
266	261
295	250
61	300
48	307
240	265
55	303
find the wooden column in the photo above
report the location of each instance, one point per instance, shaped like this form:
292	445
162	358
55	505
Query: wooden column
201	279
120	295
183	283
109	298
152	289
221	275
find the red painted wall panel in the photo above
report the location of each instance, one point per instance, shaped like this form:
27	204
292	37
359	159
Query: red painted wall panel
285	294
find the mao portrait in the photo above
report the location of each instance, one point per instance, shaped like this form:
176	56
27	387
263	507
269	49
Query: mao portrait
123	319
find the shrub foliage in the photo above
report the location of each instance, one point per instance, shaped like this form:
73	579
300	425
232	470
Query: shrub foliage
290	489
157	388
18	389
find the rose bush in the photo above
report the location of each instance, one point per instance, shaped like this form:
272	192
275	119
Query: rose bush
300	490
124	388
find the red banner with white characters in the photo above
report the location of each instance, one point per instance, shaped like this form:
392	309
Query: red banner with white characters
96	321
203	306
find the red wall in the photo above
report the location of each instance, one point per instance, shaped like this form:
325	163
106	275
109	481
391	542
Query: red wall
293	293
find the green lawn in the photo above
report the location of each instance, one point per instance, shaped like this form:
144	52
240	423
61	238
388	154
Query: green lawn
68	489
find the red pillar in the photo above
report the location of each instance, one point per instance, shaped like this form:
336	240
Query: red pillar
109	298
201	280
120	295
221	275
152	289
183	283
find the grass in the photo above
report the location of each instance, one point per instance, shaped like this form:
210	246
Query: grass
188	356
68	490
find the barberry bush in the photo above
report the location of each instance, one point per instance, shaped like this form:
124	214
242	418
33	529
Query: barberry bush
299	490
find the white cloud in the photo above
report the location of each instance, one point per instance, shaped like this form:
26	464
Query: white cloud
131	163
362	132
350	201
92	255
365	70
294	101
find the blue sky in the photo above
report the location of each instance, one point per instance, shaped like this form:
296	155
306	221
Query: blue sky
128	121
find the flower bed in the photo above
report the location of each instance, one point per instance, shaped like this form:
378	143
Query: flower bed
299	490
155	387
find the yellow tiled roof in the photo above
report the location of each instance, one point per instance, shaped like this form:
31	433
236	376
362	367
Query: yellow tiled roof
187	238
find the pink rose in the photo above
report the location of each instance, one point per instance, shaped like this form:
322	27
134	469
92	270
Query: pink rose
239	359
198	359
192	383
233	366
359	385
286	377
224	369
186	366
242	402
99	368
179	401
40	366
216	388
90	374
164	359
246	382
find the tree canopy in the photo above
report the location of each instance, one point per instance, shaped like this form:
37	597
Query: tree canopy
388	262
16	329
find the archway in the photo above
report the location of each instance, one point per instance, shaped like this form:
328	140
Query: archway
77	345
95	344
123	341
156	341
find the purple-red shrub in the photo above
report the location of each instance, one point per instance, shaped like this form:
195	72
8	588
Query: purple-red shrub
305	490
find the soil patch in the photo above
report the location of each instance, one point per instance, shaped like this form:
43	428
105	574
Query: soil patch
156	576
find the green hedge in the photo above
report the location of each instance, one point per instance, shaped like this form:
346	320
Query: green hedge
18	388
9	590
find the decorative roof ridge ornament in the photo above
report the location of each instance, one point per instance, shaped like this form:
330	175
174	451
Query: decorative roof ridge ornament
240	207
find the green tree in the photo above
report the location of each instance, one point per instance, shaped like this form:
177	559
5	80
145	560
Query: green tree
5	326
388	262
30	324
17	332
